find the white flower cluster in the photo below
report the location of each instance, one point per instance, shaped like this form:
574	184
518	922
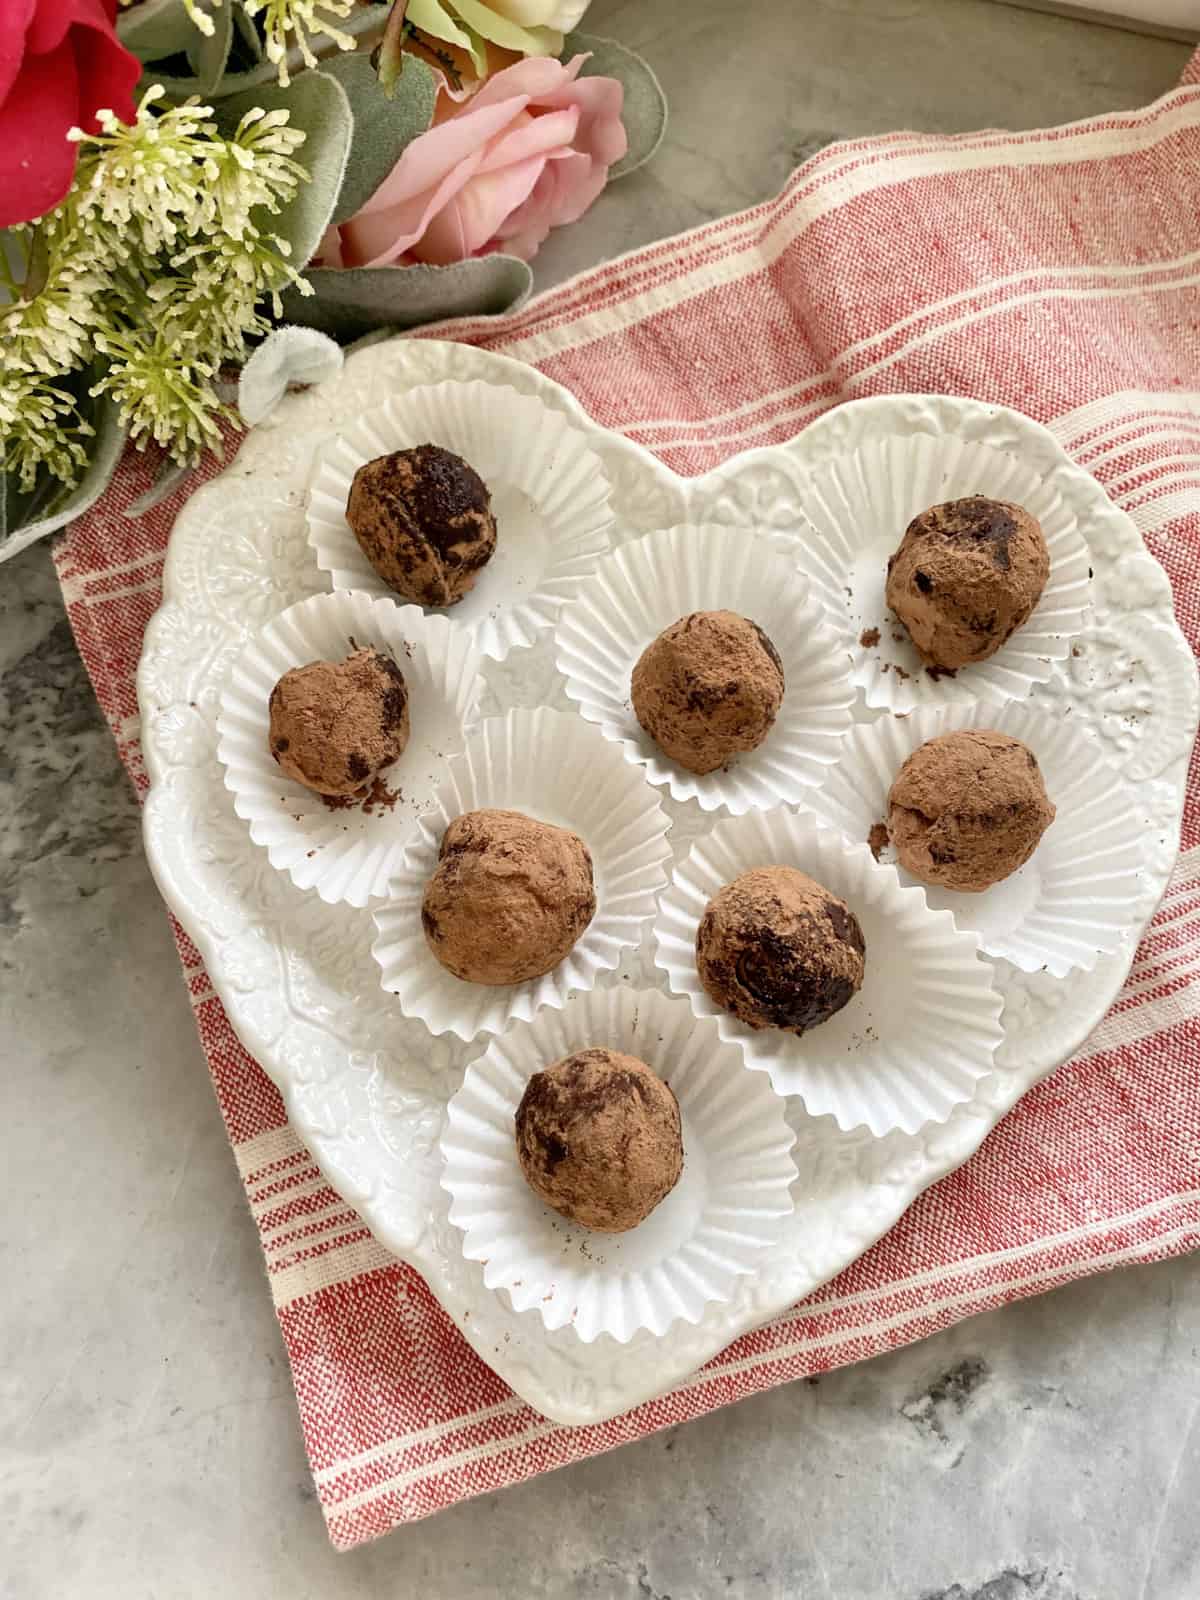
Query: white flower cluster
161	263
285	22
288	22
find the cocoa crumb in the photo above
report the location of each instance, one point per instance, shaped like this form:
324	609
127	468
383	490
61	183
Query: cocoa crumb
878	839
869	638
378	797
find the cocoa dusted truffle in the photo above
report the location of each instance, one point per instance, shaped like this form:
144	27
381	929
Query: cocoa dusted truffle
423	520
966	576
966	809
708	688
509	897
335	725
598	1138
779	951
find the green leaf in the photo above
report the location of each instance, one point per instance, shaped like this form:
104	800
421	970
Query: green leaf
645	110
248	34
32	517
318	104
352	301
208	53
157	28
167	478
382	127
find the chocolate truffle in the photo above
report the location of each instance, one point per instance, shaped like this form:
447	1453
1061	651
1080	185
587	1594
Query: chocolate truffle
968	808
423	520
335	725
598	1138
779	951
708	688
966	576
509	897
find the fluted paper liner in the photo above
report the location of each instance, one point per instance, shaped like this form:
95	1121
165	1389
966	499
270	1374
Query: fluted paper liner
558	769
871	467
922	1031
345	852
1080	893
642	588
727	1207
550	498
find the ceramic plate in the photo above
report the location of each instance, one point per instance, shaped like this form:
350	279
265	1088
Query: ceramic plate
366	1090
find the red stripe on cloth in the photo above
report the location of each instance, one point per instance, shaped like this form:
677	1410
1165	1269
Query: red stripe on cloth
1045	270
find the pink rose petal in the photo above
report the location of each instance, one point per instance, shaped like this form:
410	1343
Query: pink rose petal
529	151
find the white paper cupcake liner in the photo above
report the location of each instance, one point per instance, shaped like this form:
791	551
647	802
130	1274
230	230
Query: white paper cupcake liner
1082	890
873	465
345	853
727	1207
560	770
550	498
644	587
920	1034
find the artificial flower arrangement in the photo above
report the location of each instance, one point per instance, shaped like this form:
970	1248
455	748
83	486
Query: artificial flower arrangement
192	187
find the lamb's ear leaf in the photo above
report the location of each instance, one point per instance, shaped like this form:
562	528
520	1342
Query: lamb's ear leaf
167	479
383	127
31	516
318	105
364	20
349	302
208	52
286	356
156	28
644	112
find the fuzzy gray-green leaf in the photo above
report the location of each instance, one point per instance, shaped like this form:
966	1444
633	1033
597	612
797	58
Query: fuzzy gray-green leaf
354	301
645	110
363	21
208	52
318	105
382	126
157	28
31	518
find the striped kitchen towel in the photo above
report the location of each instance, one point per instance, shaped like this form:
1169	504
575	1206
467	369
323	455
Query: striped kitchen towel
1058	272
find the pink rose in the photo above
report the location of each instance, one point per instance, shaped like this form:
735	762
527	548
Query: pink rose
60	62
527	153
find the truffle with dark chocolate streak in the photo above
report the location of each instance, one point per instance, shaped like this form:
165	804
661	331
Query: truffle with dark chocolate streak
423	520
777	950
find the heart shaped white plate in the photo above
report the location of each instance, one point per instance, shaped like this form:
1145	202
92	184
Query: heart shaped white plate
367	1090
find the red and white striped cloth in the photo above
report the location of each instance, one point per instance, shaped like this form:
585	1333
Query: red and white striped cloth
1058	272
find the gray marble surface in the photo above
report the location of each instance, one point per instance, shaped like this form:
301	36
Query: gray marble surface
149	1444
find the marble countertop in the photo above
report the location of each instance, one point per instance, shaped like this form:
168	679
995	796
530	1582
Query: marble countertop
149	1444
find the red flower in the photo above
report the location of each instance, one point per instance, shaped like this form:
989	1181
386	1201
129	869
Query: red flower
60	62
